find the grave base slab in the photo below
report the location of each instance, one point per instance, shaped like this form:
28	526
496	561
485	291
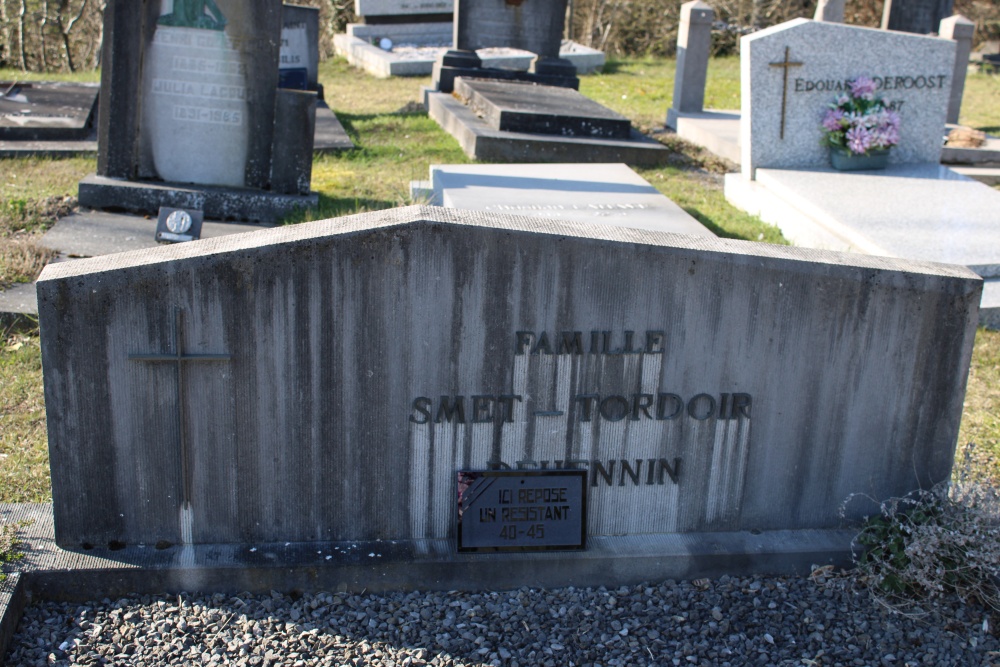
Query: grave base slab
481	142
716	131
48	572
924	212
329	135
218	203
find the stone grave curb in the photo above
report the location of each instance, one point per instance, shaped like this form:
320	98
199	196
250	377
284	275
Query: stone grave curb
13	599
218	203
85	148
330	136
50	573
17	305
481	142
90	233
383	64
987	155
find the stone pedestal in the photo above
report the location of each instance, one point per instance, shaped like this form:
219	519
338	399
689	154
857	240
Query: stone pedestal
961	30
830	11
920	16
694	42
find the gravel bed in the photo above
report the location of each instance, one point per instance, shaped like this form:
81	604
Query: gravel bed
729	621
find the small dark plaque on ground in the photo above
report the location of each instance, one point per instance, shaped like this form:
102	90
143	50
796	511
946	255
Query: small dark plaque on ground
533	108
175	225
522	510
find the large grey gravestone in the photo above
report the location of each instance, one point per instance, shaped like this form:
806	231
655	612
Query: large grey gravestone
791	72
325	382
919	16
535	26
189	98
299	53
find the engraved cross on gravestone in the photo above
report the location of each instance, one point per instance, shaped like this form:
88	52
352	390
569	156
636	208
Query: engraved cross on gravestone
785	64
178	358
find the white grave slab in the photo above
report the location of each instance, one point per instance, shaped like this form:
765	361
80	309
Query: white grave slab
791	72
607	194
922	212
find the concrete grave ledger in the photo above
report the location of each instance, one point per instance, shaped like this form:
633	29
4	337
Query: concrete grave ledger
793	71
325	381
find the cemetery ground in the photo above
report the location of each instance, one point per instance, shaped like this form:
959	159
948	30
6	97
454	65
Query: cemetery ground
396	143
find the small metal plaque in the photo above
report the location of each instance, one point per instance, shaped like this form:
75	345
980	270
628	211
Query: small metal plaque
522	510
174	225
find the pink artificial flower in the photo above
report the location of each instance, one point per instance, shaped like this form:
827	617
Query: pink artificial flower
863	87
831	121
859	139
893	117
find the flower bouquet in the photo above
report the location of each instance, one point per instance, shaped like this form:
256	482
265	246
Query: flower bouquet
859	128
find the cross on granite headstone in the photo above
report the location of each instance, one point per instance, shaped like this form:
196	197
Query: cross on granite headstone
785	64
179	358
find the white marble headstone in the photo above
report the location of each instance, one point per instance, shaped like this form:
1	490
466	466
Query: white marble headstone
195	106
792	71
294	46
402	7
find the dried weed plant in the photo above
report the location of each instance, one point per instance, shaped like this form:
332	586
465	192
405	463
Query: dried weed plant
933	544
21	223
10	545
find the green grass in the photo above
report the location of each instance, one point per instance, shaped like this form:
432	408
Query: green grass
24	456
87	76
32	196
40	177
396	141
981	416
643	88
981	102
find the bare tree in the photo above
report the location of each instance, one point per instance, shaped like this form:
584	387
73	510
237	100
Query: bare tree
22	17
42	27
66	27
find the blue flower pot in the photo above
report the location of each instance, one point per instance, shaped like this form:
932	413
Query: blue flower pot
845	160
